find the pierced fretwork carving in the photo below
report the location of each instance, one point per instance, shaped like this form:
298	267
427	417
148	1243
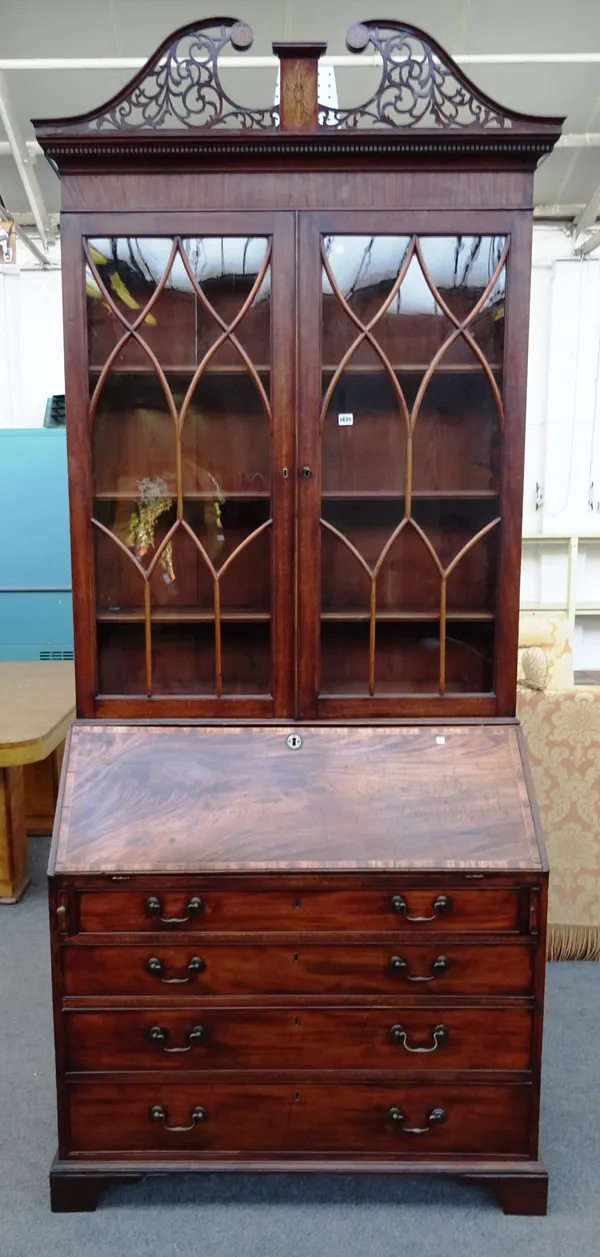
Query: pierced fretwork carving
419	87
180	86
423	102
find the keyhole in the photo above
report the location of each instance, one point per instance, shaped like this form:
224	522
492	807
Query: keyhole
296	957
296	1021
297	1096
294	741
296	903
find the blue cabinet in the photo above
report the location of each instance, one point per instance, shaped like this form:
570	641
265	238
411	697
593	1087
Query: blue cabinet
36	616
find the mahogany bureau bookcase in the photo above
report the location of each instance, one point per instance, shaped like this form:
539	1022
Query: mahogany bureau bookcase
298	890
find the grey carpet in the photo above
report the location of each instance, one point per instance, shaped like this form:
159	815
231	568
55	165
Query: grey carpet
278	1216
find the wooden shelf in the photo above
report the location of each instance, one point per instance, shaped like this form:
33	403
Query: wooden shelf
130	495
355	616
180	615
333	495
353	368
400	689
383	495
413	368
179	368
196	615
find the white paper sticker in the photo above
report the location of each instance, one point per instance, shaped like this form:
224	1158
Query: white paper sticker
441	741
345	420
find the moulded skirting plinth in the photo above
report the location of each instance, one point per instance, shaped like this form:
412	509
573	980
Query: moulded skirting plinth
521	1186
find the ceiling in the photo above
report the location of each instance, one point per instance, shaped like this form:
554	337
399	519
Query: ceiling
133	28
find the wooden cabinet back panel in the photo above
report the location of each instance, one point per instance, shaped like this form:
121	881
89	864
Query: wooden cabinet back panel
301	909
111	1116
298	1038
313	968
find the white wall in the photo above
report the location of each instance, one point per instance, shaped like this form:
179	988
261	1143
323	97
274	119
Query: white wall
32	359
563	398
563	432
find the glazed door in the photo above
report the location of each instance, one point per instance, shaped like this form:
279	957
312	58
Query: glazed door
407	418
189	415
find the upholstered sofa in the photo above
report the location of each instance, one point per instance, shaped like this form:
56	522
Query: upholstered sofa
561	723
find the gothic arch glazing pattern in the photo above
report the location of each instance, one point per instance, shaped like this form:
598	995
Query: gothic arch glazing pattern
411	424
179	342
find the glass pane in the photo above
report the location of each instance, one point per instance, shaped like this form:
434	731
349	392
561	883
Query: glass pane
360	275
225	441
179	365
246	658
451	525
469	658
121	658
456	438
123	276
344	658
227	270
368	456
183	658
407	658
411	427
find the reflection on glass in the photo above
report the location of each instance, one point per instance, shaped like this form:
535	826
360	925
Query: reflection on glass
411	427
124	274
407	658
470	659
467	272
179	353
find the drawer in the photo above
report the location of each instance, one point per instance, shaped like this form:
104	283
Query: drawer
196	907
205	1116
212	1038
301	969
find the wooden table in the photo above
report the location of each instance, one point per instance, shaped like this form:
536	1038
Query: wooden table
37	705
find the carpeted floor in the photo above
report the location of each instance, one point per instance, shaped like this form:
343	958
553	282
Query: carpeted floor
231	1216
